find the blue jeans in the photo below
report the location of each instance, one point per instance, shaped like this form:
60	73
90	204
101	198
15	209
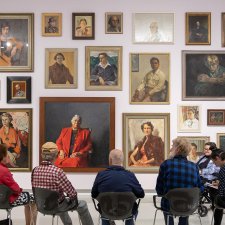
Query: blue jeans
182	220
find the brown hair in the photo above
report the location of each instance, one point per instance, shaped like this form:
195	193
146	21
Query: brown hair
3	151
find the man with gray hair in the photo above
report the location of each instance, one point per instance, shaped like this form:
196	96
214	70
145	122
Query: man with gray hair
116	179
48	176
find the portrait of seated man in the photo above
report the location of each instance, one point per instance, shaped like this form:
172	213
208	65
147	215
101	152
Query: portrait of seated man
154	34
74	143
104	73
198	33
153	87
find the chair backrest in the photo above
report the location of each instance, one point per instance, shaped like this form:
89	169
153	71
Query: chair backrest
183	201
46	200
116	205
5	192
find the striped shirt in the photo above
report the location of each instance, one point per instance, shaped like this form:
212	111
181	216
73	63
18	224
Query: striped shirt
51	177
176	173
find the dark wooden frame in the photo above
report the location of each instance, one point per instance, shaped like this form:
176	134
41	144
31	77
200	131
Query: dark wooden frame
10	86
74	15
90	109
215	123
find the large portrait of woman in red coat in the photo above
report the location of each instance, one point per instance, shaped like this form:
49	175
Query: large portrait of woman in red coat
83	129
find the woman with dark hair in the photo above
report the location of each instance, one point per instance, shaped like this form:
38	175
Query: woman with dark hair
218	157
149	151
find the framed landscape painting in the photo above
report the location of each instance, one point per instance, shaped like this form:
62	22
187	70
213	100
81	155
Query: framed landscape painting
95	137
153	28
216	117
203	75
17	42
16	133
103	68
146	140
149	78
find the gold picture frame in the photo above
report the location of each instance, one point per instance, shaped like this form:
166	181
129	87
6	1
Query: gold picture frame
54	78
223	28
101	78
51	24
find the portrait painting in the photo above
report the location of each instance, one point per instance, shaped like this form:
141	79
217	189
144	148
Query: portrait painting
84	132
198	28
51	24
220	140
189	118
83	26
203	75
146	140
103	68
16	134
149	78
17	42
113	23
61	67
216	117
153	28
198	141
19	89
223	29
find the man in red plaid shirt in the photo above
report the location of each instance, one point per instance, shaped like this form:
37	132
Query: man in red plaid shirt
47	175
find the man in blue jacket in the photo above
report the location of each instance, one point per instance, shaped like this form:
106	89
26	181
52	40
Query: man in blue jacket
116	179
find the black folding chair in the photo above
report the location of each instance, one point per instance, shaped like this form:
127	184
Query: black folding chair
116	206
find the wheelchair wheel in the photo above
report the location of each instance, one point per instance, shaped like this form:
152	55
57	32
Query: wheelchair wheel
202	210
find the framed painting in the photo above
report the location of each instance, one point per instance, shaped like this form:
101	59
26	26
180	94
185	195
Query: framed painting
18	89
103	68
153	28
220	140
145	67
199	141
198	28
16	133
17	42
83	26
223	29
146	140
203	75
95	136
113	23
61	67
216	117
51	24
189	118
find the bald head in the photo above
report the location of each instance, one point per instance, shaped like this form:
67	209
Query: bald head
116	157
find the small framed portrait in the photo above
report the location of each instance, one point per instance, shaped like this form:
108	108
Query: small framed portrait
103	68
146	140
198	28
153	28
198	142
51	24
16	133
61	68
83	26
189	118
216	117
149	78
113	23
18	90
17	42
203	75
223	28
220	140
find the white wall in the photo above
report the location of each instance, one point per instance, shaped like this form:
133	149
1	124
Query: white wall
99	7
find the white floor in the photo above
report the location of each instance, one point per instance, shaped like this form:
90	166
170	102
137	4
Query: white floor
145	216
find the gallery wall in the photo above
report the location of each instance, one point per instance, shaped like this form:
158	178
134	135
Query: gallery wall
99	7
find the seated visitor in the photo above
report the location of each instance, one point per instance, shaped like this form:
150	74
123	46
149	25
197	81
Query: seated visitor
47	175
18	197
116	179
172	176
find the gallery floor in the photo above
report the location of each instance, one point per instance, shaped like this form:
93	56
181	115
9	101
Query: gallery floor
145	216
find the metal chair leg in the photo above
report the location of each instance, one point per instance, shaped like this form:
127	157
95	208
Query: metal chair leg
155	216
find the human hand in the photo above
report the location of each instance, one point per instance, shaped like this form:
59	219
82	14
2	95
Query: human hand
101	81
61	154
203	77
